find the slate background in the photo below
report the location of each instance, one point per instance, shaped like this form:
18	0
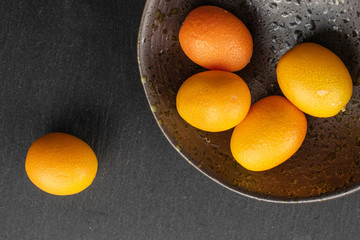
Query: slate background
71	66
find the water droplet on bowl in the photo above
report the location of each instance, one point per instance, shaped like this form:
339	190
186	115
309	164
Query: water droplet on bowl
346	20
275	26
297	35
284	14
298	19
292	25
355	34
274	6
332	19
274	39
311	25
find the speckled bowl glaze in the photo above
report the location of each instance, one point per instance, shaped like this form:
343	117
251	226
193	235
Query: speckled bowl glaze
328	163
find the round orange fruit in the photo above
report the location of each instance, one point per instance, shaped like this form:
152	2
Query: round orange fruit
271	133
213	101
216	39
61	164
314	79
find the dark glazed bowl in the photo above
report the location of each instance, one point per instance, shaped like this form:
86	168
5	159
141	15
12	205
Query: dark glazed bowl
328	163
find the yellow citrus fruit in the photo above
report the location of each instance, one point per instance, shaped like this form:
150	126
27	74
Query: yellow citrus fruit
271	133
216	39
314	79
213	101
61	164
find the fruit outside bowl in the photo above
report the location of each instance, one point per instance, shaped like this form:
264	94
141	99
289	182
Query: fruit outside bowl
327	165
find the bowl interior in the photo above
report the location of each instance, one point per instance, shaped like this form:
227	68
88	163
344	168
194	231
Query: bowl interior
327	164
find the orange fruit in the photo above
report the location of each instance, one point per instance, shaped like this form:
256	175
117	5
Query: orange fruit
216	39
61	164
271	133
314	79
213	101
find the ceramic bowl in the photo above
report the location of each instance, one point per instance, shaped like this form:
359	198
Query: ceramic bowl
327	164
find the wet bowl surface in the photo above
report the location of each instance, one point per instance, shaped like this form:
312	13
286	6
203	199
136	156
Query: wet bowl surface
328	163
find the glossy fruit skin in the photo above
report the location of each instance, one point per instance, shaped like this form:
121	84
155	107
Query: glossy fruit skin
271	133
213	101
61	164
216	39
314	79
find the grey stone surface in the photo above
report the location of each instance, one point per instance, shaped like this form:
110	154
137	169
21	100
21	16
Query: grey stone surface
71	66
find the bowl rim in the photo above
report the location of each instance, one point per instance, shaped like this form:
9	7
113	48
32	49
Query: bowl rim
252	195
